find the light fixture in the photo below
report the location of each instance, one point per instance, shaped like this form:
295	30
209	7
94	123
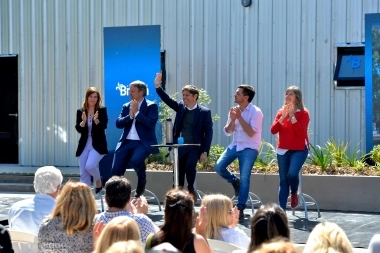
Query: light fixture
246	3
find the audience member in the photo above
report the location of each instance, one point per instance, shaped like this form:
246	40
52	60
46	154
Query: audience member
278	245
374	245
27	215
71	223
178	224
118	199
5	241
328	237
130	246
121	228
223	219
269	222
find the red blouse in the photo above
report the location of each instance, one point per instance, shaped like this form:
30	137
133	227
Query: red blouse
291	136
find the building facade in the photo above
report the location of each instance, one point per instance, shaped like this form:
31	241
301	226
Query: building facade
213	44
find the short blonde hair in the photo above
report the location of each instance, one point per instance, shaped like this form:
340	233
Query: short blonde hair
76	206
121	228
218	207
130	246
328	237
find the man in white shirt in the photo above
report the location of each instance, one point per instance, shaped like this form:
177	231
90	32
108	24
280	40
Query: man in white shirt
244	123
26	215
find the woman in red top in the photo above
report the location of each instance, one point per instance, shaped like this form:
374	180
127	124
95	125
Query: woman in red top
291	124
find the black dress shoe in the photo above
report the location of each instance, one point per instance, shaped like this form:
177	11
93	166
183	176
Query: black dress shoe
97	190
193	195
140	190
241	215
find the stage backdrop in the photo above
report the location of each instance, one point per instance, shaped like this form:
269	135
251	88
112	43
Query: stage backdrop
130	53
372	79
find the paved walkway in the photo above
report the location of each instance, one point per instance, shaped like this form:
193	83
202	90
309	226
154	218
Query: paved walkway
359	227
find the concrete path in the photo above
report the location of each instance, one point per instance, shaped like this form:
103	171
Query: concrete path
359	227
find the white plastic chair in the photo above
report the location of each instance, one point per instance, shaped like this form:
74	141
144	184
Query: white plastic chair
23	242
222	247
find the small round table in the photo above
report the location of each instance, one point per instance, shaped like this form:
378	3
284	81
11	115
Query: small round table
175	151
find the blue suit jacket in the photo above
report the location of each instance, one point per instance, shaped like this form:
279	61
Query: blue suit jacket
202	125
145	124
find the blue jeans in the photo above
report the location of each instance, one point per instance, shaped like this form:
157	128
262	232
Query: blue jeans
247	158
289	166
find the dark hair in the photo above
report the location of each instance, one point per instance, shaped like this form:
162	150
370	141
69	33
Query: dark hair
178	219
248	91
118	192
269	222
192	89
140	85
89	92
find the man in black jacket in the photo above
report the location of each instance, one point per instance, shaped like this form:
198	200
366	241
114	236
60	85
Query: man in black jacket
194	123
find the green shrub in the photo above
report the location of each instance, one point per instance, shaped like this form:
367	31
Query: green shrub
213	156
320	157
337	151
375	155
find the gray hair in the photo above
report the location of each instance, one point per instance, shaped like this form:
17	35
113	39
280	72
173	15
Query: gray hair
47	179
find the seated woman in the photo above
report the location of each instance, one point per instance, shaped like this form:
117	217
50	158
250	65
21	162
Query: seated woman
269	222
223	219
328	237
178	224
70	225
121	228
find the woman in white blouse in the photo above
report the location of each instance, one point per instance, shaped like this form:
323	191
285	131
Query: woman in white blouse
223	219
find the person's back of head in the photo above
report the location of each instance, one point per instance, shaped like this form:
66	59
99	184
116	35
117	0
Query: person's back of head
178	219
218	207
121	228
129	246
277	245
269	222
47	180
328	237
76	206
118	192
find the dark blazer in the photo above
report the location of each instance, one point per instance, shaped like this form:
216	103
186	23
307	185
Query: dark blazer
202	125
145	124
99	141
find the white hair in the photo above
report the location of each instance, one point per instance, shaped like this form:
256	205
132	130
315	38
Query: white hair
47	179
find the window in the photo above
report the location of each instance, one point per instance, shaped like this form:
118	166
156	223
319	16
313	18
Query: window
350	69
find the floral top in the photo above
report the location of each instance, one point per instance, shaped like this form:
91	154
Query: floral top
53	238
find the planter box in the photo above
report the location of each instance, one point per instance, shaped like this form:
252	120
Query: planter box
340	193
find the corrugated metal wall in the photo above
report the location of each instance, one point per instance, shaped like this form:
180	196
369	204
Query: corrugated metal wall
214	44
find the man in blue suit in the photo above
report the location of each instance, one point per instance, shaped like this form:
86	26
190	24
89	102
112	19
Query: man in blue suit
138	118
194	123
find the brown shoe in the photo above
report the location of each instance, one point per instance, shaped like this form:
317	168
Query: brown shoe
194	195
293	200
